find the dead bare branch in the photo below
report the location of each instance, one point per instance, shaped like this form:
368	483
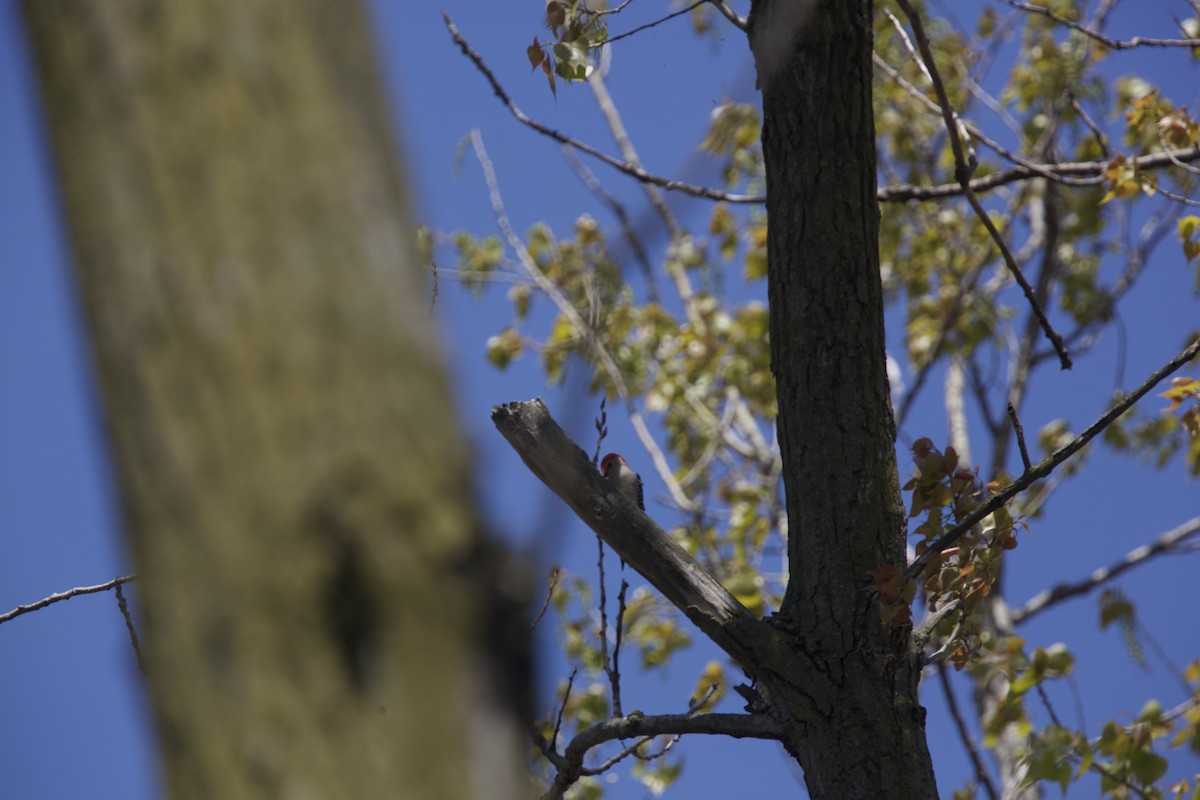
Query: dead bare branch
67	595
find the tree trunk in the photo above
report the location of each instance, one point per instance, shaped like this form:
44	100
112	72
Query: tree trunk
855	680
314	583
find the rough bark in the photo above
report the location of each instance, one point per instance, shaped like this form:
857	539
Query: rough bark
854	681
314	583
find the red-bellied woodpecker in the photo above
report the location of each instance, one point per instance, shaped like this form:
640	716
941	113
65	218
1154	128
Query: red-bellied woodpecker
624	479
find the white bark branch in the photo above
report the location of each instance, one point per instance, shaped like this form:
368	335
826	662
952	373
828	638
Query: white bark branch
560	464
1166	543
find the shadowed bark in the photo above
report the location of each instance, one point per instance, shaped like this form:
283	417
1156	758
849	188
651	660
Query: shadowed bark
319	606
854	681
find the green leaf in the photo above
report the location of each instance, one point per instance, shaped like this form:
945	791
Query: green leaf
1151	712
1059	660
503	348
1147	767
1188	226
1028	679
1191	249
1114	607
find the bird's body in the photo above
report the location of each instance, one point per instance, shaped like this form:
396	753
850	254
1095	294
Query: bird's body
626	481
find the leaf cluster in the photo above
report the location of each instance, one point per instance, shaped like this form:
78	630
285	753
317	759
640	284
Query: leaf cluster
964	575
574	30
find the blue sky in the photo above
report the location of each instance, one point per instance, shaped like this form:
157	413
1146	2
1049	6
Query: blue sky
75	718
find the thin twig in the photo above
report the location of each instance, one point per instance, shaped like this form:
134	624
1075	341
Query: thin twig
648	25
731	15
618	632
1044	170
1170	715
1178	198
1150	237
923	634
562	709
676	270
993	103
1100	136
1115	44
1168	542
980	389
971	160
1167	662
666	748
494	276
606	11
962	173
1162	142
964	735
561	138
612	761
616	126
1049	464
1092	170
1096	766
67	595
963	289
1020	431
940	654
601	430
133	637
433	294
619	211
551	585
696	703
1054	720
1045	216
739	726
603	633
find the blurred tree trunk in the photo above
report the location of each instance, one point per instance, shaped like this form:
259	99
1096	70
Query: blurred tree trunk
855	679
319	618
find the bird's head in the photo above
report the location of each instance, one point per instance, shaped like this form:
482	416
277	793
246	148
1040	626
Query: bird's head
610	463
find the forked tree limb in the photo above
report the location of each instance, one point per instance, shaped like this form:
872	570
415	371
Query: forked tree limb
569	763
